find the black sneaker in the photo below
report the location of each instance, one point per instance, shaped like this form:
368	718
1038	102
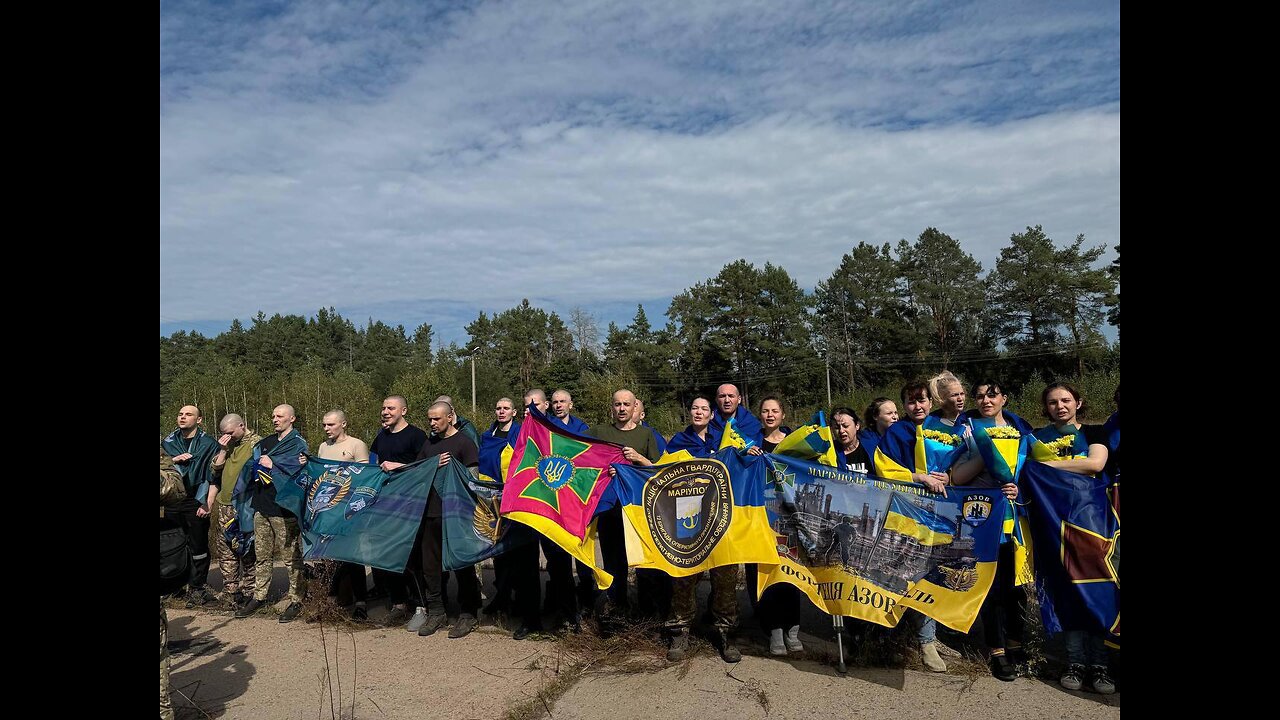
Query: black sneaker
1100	680
291	613
248	608
433	623
521	632
1002	669
360	614
463	627
398	616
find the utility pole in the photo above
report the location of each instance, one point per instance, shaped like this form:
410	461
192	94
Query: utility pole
828	358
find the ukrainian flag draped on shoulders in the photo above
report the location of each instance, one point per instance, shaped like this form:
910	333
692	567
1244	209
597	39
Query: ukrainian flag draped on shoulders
696	514
1002	447
744	424
495	452
572	423
908	448
556	483
687	440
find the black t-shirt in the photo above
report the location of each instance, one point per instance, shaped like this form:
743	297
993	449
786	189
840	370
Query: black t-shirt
263	498
771	446
401	447
858	460
1094	434
460	449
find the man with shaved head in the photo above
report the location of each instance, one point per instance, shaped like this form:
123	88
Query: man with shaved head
463	425
338	445
561	407
638	448
192	451
449	445
396	445
235	449
275	530
538	398
729	407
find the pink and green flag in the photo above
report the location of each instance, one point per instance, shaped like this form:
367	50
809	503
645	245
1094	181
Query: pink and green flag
555	483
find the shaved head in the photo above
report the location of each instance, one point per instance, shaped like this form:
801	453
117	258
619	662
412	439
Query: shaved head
230	422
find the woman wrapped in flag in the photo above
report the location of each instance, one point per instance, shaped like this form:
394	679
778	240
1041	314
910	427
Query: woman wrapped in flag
723	600
1079	449
998	433
695	439
876	419
910	453
947	393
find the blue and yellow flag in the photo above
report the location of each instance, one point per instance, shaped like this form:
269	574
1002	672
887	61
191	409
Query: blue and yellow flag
357	512
689	516
731	438
812	443
1075	520
907	518
1050	443
908	448
495	453
871	548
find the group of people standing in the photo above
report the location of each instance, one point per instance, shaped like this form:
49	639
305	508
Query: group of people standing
877	441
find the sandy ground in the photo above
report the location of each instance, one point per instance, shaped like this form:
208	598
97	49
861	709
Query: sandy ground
258	668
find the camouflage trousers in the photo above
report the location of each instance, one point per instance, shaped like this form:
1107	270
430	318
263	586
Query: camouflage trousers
237	572
166	707
278	536
723	599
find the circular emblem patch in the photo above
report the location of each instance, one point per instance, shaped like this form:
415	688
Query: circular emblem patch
689	507
555	472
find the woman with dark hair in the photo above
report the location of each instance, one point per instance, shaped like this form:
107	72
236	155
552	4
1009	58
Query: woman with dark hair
778	608
772	413
695	438
1082	449
844	430
877	418
997	433
910	453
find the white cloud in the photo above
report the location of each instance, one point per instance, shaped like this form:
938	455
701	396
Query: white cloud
592	153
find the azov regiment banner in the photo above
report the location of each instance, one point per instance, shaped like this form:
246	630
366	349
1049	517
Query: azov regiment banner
870	548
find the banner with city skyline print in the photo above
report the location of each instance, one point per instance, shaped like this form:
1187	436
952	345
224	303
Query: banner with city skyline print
871	548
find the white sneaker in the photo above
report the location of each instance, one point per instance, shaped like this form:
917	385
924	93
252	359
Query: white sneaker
793	639
776	646
418	619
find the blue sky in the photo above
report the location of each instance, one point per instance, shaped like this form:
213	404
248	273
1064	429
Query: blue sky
422	161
